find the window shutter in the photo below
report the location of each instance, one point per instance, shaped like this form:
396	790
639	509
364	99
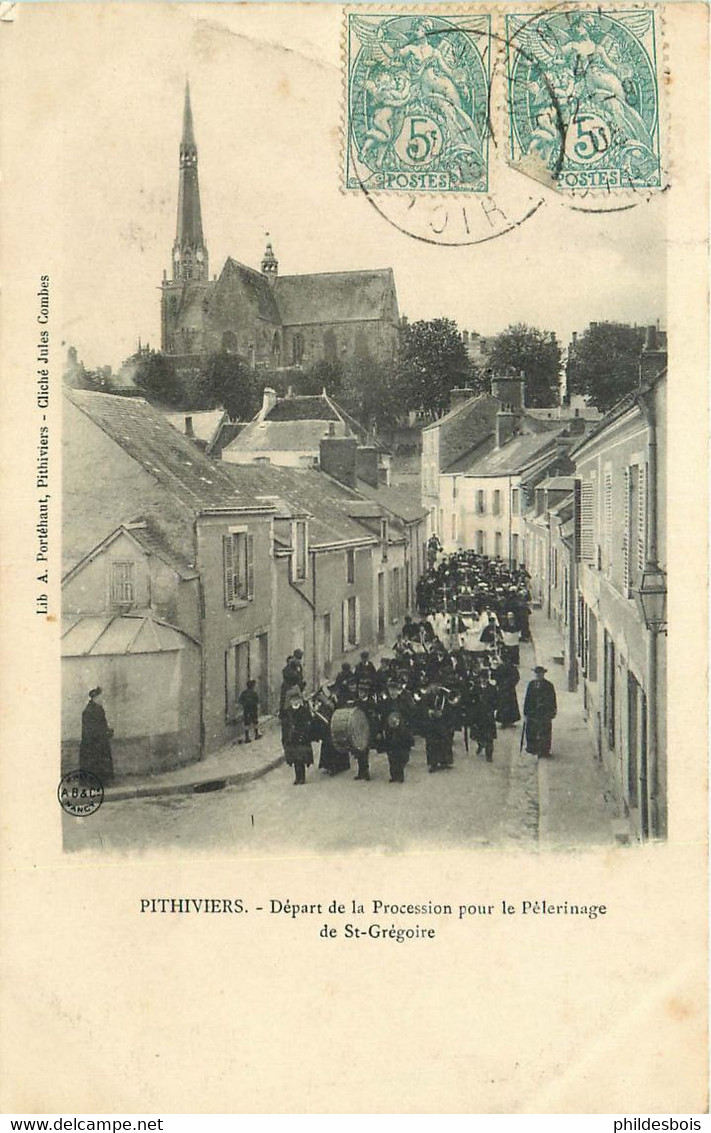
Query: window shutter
228	556
626	542
587	520
642	518
608	521
250	567
344	626
357	621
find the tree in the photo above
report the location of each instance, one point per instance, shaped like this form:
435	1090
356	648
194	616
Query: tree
322	375
535	352
433	361
155	375
604	363
369	392
226	380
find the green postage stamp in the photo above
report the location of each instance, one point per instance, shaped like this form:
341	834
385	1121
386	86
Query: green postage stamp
417	102
583	97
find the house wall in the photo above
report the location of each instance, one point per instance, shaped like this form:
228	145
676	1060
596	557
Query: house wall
156	585
152	701
459	498
102	486
224	630
286	458
624	690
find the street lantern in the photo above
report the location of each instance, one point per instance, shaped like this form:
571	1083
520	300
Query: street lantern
652	598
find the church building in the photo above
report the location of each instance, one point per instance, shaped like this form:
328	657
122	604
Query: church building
271	321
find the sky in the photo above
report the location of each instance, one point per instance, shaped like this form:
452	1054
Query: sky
98	134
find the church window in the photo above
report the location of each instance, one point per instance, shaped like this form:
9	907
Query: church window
330	346
297	349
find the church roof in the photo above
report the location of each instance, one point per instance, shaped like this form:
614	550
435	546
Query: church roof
255	284
334	297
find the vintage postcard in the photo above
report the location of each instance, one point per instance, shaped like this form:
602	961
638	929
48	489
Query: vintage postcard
354	595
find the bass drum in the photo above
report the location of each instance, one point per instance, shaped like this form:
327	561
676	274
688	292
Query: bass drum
350	730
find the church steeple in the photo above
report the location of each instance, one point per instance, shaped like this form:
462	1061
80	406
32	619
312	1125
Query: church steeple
189	251
270	264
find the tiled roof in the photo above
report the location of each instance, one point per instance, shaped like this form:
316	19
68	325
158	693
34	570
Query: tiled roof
283	436
454	412
187	474
509	460
305	490
333	297
399	499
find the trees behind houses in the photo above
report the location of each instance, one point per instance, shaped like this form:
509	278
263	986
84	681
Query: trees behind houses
433	361
604	363
535	352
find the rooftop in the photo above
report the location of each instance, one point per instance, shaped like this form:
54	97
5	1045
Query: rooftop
512	458
334	297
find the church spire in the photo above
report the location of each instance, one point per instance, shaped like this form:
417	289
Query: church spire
270	264
189	251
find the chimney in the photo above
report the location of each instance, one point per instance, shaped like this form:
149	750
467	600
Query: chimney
465	336
457	397
506	425
653	358
269	400
290	391
338	456
367	462
510	390
189	431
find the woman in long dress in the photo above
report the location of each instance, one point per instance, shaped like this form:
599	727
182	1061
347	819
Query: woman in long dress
95	746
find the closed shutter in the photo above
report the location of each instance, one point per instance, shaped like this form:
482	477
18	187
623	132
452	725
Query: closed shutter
357	621
228	557
642	518
587	521
607	545
250	567
626	541
344	625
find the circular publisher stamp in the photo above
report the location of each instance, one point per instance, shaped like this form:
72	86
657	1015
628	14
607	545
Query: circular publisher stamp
80	793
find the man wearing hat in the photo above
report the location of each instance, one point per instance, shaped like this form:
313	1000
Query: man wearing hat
296	734
539	709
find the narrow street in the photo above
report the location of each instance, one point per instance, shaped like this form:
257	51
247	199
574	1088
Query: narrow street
515	801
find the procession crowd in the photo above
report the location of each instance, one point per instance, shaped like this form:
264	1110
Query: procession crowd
454	670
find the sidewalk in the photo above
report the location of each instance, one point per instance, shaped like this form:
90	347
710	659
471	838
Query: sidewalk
233	763
576	807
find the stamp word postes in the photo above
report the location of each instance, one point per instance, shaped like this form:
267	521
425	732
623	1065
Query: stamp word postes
583	97
417	102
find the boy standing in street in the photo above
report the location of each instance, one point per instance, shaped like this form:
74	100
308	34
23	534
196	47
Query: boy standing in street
249	699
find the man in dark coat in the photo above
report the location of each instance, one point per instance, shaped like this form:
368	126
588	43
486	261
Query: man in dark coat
485	699
539	708
95	748
397	735
296	734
